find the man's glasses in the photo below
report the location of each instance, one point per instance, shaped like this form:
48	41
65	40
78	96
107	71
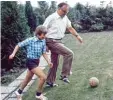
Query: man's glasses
64	11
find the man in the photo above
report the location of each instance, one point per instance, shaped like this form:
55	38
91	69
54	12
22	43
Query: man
56	24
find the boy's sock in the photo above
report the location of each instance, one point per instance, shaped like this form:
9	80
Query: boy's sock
38	93
20	91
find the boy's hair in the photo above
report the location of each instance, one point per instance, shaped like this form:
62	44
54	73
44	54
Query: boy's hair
40	30
62	4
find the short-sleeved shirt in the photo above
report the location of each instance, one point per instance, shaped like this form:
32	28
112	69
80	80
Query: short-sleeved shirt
35	47
56	26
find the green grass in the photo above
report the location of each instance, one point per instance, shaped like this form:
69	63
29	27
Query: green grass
93	58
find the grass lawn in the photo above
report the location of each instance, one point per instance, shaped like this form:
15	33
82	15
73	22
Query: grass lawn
93	58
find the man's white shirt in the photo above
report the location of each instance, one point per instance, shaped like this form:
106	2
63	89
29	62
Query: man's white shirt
56	26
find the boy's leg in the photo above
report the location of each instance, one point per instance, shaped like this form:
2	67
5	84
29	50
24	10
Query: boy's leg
24	84
27	79
42	77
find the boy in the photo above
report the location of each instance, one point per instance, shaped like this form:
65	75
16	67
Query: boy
36	46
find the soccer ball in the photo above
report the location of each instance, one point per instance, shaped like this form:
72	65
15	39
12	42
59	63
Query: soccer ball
93	82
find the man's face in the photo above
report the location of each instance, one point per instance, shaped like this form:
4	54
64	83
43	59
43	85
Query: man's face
64	10
41	37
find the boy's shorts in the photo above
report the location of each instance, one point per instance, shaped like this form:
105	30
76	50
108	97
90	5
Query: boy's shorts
32	63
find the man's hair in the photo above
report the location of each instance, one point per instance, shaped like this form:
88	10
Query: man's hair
40	30
60	5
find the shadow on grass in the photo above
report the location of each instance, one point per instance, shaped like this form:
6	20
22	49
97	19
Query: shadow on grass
48	88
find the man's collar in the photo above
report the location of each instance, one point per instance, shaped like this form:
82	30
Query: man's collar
57	15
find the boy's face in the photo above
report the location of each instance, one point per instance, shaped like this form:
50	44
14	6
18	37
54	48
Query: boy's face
42	36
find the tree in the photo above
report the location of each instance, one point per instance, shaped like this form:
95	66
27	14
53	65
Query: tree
23	27
9	31
24	32
14	29
41	11
31	18
43	5
52	8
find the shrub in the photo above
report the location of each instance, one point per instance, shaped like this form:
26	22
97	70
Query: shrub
97	27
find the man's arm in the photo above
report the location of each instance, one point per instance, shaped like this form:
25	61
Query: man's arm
74	32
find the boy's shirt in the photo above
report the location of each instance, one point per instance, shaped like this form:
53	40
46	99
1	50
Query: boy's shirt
35	47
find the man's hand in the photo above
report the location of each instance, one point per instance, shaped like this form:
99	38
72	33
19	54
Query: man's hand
11	56
73	31
80	39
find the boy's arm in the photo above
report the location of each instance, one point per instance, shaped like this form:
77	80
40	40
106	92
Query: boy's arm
47	59
14	52
20	44
45	55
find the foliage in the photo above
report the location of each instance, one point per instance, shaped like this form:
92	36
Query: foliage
91	18
31	18
14	29
97	27
44	10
